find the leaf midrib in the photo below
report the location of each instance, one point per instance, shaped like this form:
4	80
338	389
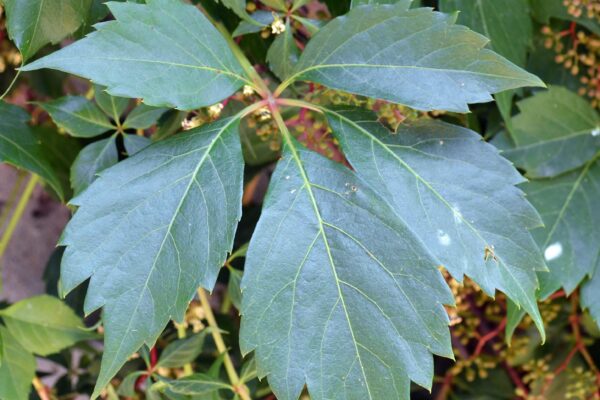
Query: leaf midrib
308	187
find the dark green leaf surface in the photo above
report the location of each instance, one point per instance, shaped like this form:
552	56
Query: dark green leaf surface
342	308
20	146
283	53
264	19
44	325
568	205
233	288
505	22
93	159
165	52
17	368
143	117
168	232
556	131
78	116
111	105
239	8
182	351
456	194
415	57
34	23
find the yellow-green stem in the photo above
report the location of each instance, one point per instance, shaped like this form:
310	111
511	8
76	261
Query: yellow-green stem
12	197
11	84
240	388
181	334
17	214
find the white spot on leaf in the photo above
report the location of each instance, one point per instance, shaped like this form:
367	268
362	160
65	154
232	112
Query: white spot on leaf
553	251
444	238
596	131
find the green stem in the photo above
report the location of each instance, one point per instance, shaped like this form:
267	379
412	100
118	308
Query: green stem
11	84
18	213
12	197
299	104
240	388
181	334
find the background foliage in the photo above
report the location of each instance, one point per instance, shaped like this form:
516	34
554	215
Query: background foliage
152	209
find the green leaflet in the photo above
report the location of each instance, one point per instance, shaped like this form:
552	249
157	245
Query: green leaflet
198	385
143	117
34	23
78	116
112	106
135	143
239	8
505	22
165	52
453	192
17	368
572	226
508	26
21	146
168	232
341	308
94	158
182	351
275	4
414	57
44	325
555	132
283	53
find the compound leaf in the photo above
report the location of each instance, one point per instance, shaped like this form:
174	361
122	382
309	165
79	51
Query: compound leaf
21	147
415	57
555	132
456	194
342	308
78	116
169	231
44	325
571	234
34	23
165	52
17	368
